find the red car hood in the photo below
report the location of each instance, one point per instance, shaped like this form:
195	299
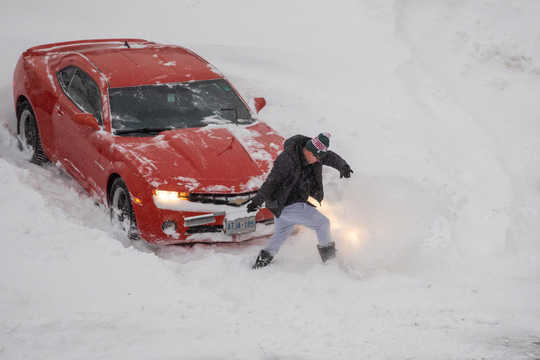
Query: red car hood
213	159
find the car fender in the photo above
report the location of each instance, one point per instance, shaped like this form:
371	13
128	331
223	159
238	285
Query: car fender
123	167
33	80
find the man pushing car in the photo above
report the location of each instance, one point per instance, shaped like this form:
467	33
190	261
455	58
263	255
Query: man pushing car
295	176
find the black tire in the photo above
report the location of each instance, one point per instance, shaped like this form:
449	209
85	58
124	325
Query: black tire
29	136
121	209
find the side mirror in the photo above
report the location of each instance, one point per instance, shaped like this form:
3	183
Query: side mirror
87	120
260	102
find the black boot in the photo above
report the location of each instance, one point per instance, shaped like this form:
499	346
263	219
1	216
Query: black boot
327	252
264	259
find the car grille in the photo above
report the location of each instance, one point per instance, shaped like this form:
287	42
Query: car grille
223	199
218	228
204	229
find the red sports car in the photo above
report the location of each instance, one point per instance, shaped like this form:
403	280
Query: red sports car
154	131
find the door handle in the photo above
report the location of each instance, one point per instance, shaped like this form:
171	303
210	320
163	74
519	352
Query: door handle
59	110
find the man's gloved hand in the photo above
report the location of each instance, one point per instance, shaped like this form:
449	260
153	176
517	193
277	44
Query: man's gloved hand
346	172
253	205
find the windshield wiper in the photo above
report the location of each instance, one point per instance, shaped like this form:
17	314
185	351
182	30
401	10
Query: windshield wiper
235	110
145	130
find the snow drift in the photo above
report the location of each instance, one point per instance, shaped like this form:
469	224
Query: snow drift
434	105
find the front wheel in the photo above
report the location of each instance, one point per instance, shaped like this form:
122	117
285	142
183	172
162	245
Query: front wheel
121	210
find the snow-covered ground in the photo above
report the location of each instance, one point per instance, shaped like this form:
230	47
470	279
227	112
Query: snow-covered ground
435	106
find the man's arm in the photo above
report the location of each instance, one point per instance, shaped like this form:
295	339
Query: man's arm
275	180
334	160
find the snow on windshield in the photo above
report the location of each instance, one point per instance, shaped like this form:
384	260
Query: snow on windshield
176	106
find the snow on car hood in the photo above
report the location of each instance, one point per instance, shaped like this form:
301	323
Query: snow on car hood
213	159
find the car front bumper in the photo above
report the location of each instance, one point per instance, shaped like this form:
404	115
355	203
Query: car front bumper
193	225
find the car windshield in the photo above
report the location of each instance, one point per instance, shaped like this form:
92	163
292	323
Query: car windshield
175	106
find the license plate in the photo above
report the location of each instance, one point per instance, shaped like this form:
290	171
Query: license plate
240	225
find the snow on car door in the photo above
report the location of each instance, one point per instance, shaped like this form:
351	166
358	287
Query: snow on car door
74	142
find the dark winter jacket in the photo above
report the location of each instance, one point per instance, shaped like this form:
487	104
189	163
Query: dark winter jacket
286	172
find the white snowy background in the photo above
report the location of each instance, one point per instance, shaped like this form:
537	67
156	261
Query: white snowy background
435	105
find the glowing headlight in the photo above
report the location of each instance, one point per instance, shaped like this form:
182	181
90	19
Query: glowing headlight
169	197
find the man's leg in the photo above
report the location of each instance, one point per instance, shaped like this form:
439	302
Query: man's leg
282	230
309	216
301	214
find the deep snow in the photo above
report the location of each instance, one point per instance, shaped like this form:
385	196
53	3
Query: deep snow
434	105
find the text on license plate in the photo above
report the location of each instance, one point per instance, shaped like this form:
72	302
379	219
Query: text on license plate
240	225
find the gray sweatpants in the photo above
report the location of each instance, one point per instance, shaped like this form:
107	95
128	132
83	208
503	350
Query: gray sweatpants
298	214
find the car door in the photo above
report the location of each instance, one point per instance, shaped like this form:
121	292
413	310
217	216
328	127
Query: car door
76	143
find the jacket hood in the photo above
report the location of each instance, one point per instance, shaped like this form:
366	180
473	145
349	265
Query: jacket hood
294	145
295	142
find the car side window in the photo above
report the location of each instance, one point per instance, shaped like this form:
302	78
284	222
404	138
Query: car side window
81	90
65	76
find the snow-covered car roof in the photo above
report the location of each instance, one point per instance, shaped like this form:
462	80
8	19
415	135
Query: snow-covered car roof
135	62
